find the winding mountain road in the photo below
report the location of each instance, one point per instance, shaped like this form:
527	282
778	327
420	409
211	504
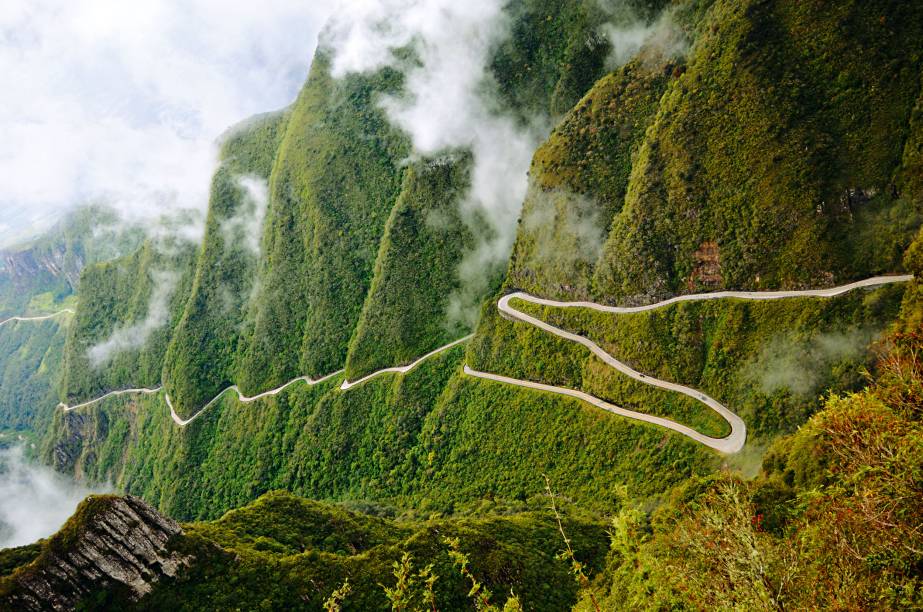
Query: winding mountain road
243	398
344	386
38	318
135	391
735	440
732	443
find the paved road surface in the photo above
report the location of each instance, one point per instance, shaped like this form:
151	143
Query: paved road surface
39	318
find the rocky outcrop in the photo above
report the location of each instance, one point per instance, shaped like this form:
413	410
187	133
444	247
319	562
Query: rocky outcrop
69	441
24	266
117	544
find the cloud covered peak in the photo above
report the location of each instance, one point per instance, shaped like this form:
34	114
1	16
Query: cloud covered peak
122	102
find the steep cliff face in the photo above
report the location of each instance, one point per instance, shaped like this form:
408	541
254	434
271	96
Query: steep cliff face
333	184
423	242
579	177
124	320
328	271
772	159
30	369
783	150
119	545
780	151
201	357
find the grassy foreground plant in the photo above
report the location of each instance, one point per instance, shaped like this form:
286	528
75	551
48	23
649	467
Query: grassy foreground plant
403	595
568	553
479	593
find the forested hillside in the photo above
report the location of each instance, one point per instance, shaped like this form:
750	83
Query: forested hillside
201	357
758	145
831	522
126	313
38	279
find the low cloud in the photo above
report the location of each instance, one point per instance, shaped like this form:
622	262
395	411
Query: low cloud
630	35
35	501
803	367
566	227
246	226
449	103
136	335
121	103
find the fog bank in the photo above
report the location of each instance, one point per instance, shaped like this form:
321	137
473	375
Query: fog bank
35	501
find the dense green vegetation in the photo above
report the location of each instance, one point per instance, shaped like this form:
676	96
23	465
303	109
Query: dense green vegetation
831	522
50	265
30	367
433	439
332	188
771	159
13	558
421	248
137	299
579	177
39	278
358	253
783	150
768	361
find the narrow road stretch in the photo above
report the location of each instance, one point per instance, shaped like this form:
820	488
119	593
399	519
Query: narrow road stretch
39	318
404	369
734	441
243	398
346	385
140	390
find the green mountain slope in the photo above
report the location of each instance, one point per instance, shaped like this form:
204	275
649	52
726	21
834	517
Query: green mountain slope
831	522
772	158
127	310
40	278
333	185
434	439
36	277
335	178
578	181
644	171
201	359
30	368
406	311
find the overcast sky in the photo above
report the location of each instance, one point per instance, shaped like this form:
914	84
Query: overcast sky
122	101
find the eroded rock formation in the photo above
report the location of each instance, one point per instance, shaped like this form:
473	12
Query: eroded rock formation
112	543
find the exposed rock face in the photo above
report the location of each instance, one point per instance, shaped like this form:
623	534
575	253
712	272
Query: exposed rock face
23	266
69	445
119	543
707	271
